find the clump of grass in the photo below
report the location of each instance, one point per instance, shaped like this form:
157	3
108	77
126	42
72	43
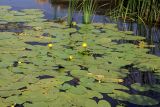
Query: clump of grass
88	8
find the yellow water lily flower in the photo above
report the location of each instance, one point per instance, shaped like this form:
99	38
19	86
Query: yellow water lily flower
74	23
19	62
70	57
99	78
50	45
141	44
84	45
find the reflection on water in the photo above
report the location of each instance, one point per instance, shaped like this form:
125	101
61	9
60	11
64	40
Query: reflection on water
152	34
51	8
143	78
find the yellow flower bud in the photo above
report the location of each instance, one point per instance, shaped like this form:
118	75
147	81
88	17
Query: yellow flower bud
84	45
74	23
50	45
70	57
19	62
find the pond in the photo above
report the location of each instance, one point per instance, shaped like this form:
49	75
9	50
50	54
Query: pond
44	63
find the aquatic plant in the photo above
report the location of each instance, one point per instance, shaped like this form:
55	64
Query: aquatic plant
74	23
70	57
84	45
88	9
50	45
142	11
71	9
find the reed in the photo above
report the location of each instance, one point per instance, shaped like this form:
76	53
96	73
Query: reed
88	9
142	11
71	9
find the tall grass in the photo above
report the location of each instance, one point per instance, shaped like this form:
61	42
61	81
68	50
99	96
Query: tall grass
88	9
142	11
71	9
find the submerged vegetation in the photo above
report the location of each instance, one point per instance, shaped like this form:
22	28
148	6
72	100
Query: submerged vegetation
47	64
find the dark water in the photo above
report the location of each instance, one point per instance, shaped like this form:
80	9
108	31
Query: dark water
152	34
